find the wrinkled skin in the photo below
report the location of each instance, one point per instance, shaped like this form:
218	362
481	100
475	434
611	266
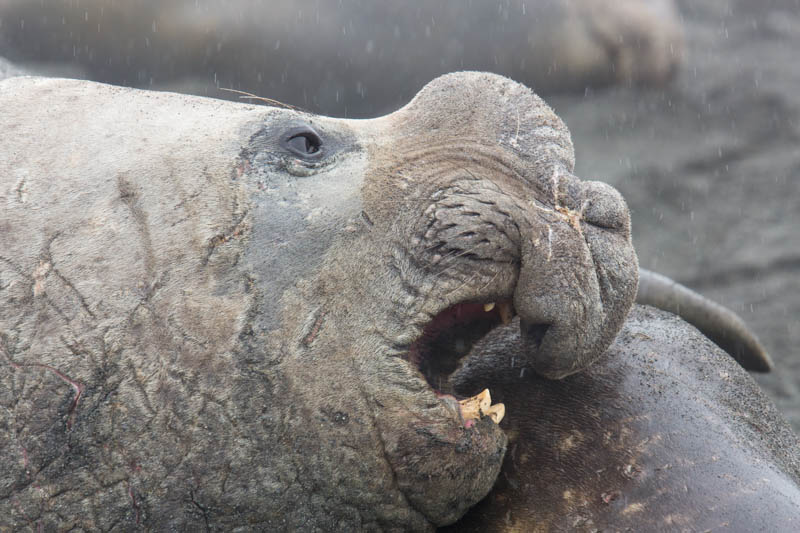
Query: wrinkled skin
204	325
350	57
665	432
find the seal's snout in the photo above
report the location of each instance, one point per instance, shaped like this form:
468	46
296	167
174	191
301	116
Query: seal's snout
577	274
546	363
533	334
603	206
510	229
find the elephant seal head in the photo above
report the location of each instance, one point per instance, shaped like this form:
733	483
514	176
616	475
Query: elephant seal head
245	316
428	227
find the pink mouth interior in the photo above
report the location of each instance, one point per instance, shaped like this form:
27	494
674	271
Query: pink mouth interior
449	337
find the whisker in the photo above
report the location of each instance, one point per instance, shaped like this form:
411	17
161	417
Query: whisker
469	280
453	262
270	101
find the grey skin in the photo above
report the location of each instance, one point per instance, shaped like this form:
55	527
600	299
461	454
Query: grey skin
350	57
206	318
665	432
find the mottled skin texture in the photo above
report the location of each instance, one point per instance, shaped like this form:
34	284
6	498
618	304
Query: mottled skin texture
202	329
349	57
664	433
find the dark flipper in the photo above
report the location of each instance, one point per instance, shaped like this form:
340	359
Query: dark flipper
716	322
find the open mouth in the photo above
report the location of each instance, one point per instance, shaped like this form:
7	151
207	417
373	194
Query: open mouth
448	338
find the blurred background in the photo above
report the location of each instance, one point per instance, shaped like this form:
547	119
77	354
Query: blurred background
691	108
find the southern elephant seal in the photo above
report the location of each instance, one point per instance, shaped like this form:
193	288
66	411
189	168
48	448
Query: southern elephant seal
665	432
352	57
225	316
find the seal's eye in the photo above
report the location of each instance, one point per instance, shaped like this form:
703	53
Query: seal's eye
303	142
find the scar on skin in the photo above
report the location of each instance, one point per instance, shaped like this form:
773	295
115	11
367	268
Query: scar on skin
21	190
134	502
77	386
633	508
39	275
309	337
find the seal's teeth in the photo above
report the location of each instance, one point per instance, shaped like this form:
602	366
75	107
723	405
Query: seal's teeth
473	407
496	412
488	307
506	311
481	405
484	400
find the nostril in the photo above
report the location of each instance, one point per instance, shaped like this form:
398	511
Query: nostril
533	334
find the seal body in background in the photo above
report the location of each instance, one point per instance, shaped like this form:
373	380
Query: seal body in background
664	433
353	58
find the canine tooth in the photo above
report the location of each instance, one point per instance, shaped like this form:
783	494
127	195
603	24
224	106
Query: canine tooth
506	312
488	307
473	407
496	412
481	405
484	400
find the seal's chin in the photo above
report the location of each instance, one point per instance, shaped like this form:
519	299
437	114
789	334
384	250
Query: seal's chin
448	338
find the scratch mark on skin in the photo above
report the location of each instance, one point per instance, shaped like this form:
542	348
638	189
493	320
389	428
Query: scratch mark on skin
146	295
367	219
22	194
549	242
313	331
134	503
236	230
80	296
20	272
77	386
47	266
39	275
203	510
25	515
514	142
128	196
25	462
